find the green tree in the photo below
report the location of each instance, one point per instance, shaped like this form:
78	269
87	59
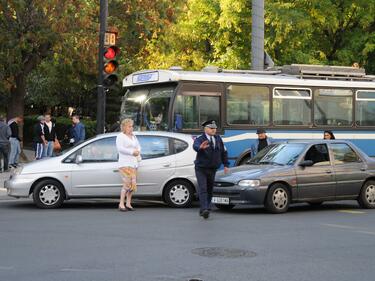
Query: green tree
218	32
36	31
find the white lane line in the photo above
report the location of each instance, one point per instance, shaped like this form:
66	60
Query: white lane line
340	226
6	267
82	270
366	232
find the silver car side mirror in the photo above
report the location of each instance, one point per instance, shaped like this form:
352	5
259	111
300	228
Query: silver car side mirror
79	159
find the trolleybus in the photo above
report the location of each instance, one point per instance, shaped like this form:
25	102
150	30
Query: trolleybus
290	102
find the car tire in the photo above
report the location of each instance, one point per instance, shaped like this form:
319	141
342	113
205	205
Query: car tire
225	207
48	194
366	197
277	199
179	194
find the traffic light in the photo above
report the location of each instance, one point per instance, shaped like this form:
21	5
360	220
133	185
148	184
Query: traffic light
110	66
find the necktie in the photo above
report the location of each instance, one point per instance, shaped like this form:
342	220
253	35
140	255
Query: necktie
212	142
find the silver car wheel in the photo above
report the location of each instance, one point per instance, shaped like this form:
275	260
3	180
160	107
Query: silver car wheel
179	194
280	198
49	194
370	194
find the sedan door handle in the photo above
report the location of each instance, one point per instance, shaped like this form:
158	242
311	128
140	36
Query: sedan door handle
328	171
363	169
167	165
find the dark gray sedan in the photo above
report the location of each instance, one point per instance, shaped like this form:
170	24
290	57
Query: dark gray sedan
299	171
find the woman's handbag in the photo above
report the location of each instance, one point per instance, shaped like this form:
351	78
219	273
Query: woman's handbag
56	145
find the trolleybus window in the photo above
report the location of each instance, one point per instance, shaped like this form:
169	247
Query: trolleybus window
365	108
291	106
191	109
333	107
248	105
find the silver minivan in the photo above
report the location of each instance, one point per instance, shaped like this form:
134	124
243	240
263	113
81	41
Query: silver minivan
89	170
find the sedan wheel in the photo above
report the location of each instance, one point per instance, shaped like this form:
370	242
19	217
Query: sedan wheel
277	200
366	198
48	194
178	194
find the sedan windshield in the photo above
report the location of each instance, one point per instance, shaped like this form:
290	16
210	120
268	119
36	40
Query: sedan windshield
278	154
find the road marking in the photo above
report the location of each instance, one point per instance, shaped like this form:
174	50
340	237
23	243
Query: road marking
6	267
366	232
340	226
351	212
82	270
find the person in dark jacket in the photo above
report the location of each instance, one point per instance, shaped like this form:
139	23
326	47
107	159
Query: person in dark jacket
78	131
15	141
5	134
39	140
211	153
261	142
50	135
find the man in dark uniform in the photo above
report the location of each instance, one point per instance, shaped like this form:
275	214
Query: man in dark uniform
211	153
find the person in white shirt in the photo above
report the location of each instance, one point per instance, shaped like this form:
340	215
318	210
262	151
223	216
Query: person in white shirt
129	152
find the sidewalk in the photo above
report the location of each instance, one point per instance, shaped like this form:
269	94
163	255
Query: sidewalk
28	155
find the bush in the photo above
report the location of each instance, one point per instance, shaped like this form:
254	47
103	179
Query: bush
62	125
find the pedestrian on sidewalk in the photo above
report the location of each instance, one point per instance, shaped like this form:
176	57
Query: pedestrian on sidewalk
15	141
39	140
78	131
5	134
50	135
211	153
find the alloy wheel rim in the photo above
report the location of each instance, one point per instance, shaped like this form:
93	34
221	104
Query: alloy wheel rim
49	194
179	194
280	198
370	194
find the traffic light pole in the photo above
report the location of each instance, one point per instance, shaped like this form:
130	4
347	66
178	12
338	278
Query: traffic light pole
100	116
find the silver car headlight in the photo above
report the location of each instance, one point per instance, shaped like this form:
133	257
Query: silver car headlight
249	183
18	170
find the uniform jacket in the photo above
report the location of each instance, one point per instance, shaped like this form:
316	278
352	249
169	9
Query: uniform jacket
210	158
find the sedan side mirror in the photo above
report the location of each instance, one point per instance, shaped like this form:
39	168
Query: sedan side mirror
306	163
79	159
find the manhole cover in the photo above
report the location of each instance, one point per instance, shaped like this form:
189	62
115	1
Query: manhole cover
220	252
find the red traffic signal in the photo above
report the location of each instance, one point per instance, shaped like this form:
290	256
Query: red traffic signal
110	66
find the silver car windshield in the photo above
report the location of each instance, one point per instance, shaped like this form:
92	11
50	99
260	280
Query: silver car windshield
279	154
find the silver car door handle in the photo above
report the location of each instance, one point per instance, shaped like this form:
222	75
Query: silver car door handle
167	165
363	169
328	171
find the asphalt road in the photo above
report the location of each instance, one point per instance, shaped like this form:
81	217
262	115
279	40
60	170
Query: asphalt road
91	240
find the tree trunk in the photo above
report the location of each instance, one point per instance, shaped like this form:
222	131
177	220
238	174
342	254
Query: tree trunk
16	105
17	97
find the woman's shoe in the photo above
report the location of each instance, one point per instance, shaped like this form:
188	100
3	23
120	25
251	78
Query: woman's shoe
129	208
122	209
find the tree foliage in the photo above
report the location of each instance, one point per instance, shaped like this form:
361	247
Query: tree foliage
48	49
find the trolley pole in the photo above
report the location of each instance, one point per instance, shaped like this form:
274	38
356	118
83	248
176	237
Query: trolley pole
100	116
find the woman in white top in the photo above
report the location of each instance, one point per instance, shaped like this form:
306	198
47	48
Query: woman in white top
129	156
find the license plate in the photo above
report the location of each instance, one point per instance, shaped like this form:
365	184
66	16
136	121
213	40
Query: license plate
220	200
